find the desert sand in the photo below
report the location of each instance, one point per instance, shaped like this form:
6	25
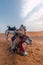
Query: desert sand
35	51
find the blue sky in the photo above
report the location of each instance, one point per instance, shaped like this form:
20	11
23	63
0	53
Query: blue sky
16	12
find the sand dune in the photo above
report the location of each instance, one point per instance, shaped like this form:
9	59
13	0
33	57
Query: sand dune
35	51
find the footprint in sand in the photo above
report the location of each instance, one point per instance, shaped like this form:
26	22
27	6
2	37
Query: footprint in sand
37	49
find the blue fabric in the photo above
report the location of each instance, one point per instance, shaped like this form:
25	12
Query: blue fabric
12	28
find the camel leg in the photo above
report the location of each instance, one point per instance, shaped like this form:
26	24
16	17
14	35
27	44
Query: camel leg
6	34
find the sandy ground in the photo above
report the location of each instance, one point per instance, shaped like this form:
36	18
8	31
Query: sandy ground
35	51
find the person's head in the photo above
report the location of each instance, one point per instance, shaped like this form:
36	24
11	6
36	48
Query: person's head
24	45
